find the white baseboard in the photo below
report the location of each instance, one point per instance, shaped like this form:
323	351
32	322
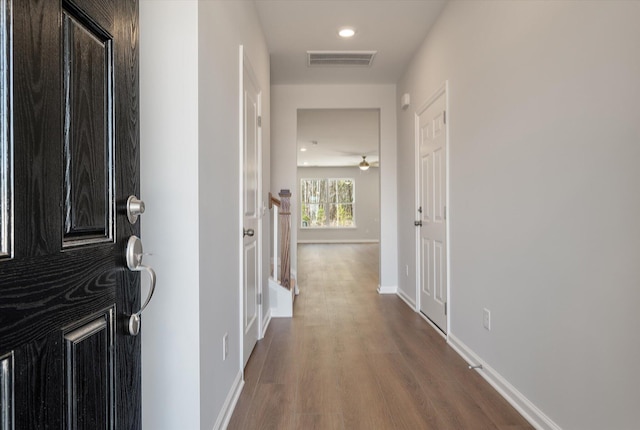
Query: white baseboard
230	403
524	406
339	241
387	289
408	300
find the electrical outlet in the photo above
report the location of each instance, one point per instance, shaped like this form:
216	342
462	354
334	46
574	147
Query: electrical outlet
486	319
225	346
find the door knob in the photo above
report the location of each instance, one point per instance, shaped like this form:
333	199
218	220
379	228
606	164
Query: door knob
135	207
248	232
417	223
134	263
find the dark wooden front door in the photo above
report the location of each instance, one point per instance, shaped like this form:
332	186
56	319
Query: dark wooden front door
69	138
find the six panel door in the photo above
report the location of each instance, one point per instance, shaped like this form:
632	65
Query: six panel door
432	148
69	159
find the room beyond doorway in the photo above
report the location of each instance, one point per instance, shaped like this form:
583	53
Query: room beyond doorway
338	175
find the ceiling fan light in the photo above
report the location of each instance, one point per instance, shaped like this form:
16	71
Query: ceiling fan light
363	164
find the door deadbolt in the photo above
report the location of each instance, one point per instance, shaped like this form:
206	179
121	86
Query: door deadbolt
135	208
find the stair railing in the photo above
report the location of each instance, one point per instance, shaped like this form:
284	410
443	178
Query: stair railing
281	236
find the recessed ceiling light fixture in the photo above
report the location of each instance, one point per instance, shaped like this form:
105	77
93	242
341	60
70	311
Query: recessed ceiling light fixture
303	149
346	32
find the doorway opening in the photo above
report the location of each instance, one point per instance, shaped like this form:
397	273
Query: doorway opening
338	184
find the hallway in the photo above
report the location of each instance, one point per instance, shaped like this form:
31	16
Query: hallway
353	359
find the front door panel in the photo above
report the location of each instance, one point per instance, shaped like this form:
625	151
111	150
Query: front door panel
88	138
68	161
89	380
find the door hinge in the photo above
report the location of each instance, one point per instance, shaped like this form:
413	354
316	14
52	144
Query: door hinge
259	298
444	116
259	121
445	308
445	212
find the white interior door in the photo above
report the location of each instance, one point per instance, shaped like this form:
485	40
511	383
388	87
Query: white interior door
251	212
431	139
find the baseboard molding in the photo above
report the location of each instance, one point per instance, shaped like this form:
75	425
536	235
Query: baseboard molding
230	403
339	241
408	300
387	289
524	406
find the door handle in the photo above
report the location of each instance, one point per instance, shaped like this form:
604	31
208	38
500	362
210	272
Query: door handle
134	263
248	232
417	223
135	208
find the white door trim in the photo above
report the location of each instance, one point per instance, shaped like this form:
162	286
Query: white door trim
443	89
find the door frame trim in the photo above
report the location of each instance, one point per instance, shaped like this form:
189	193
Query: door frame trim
245	63
443	89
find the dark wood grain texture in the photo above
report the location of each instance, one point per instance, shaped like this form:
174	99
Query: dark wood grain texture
353	359
37	90
89	374
127	132
88	120
47	288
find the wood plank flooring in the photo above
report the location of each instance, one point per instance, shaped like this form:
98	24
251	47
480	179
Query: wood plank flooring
353	359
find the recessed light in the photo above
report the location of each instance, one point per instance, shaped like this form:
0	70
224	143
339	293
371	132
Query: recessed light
346	32
303	149
305	163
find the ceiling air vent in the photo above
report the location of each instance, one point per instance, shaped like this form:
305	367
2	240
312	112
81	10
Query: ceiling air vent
340	58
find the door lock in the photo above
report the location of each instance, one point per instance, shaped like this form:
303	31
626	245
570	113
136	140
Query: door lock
417	223
135	208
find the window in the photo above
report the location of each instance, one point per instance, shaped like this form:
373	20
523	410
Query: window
327	203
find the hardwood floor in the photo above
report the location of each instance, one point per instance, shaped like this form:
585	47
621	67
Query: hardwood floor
353	359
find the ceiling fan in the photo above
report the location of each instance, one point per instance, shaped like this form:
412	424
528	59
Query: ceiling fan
364	164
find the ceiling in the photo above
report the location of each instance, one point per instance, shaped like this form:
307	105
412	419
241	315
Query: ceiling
337	137
393	28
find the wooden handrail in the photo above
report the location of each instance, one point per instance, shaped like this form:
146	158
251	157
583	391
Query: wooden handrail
273	201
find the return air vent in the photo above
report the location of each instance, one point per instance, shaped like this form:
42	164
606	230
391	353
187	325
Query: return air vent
340	58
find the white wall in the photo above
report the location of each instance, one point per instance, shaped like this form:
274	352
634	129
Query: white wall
169	187
285	102
366	206
544	134
190	80
224	26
